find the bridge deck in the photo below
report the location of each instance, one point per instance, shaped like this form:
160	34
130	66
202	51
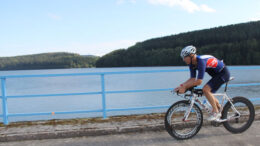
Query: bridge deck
213	136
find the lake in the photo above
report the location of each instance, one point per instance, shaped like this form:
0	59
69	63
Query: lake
114	82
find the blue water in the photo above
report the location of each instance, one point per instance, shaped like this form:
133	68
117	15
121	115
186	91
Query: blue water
115	82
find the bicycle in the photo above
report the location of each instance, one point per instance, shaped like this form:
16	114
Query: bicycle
184	119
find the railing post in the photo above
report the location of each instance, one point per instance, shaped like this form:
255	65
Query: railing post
103	96
4	101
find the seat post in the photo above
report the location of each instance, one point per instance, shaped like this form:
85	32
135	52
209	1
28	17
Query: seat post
226	86
230	79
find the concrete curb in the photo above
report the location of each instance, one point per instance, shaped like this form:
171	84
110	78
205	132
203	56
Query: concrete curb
79	133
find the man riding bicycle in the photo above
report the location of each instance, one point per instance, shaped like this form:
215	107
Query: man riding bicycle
204	63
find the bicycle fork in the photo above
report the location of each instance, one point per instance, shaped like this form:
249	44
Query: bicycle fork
187	113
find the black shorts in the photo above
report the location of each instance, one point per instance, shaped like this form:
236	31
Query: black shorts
216	81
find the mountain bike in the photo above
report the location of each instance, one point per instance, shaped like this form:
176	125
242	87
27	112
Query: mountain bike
184	119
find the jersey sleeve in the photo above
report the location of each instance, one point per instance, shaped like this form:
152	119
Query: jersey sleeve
201	69
192	72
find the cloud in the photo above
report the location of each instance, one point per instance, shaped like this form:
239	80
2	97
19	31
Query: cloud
206	8
54	16
187	5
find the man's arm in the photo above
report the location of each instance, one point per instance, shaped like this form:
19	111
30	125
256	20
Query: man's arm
193	81
189	83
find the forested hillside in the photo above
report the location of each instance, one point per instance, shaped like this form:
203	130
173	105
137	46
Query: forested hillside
237	44
47	61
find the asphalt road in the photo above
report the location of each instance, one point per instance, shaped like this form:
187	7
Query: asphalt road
207	136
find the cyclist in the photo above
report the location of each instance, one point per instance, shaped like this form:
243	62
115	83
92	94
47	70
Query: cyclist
204	63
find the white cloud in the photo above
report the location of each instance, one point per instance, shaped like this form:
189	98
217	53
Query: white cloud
187	5
206	8
54	16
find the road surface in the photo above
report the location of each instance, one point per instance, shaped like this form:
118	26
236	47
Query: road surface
207	136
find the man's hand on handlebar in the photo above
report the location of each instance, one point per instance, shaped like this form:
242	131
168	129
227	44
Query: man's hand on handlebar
180	89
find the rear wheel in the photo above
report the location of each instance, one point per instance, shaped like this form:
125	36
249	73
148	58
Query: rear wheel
178	128
238	123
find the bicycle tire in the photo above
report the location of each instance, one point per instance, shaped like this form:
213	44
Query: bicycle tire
250	120
172	131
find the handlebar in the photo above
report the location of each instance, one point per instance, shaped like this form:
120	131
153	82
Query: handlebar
199	92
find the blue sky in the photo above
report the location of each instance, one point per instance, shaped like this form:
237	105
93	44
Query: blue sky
98	27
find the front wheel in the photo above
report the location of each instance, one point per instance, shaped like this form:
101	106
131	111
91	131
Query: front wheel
241	121
176	126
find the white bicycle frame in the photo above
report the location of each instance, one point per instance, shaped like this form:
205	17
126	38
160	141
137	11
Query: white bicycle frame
194	98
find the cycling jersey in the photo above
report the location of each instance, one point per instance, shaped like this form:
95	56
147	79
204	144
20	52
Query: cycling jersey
214	67
206	63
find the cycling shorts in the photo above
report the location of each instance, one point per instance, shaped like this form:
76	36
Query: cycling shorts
216	81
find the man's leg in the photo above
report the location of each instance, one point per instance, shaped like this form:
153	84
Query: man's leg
217	102
212	100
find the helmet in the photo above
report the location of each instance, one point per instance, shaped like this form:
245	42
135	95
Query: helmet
187	51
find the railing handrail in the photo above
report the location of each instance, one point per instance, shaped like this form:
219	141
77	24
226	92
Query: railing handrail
115	91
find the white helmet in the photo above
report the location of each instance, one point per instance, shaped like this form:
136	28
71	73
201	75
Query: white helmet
187	51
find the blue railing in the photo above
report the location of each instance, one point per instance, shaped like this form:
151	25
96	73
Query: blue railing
103	91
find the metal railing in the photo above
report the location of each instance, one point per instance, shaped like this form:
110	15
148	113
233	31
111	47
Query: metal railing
103	91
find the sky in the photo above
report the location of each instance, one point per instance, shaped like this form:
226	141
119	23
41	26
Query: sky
97	27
